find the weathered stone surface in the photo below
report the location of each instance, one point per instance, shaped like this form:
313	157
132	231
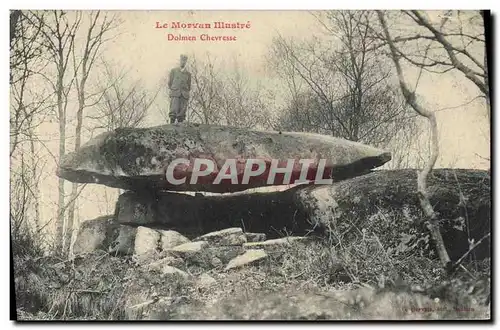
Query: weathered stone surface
385	203
229	236
146	243
96	234
136	158
255	237
147	209
125	242
189	248
194	216
171	238
247	258
375	201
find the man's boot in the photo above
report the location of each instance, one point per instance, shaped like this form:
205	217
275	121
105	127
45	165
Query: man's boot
172	120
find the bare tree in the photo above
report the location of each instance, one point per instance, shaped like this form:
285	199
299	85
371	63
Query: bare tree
29	107
431	218
205	90
58	33
14	18
224	94
453	41
302	113
347	84
26	107
26	172
123	103
24	223
25	63
96	35
240	100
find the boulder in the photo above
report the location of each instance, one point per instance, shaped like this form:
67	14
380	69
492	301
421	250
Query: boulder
137	158
146	245
96	234
125	242
193	217
383	203
171	238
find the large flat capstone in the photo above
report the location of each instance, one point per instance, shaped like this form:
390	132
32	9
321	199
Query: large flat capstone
138	158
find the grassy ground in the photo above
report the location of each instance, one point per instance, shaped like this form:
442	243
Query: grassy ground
317	280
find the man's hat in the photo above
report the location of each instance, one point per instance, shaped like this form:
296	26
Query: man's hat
184	56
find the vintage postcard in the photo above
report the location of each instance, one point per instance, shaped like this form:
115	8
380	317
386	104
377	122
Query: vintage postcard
250	165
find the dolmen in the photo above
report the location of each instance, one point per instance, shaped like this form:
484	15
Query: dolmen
340	195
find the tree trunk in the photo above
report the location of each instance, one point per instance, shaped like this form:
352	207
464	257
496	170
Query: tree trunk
14	18
487	36
60	225
74	188
35	189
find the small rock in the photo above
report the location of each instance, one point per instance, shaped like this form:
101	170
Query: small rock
205	281
274	243
225	253
124	243
216	262
171	238
255	237
146	243
229	236
167	261
173	270
189	248
249	257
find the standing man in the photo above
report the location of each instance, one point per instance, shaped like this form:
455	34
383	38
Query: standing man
179	83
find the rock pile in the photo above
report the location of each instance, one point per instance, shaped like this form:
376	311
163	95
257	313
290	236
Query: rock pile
164	250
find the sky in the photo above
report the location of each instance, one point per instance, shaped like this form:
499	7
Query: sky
148	54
